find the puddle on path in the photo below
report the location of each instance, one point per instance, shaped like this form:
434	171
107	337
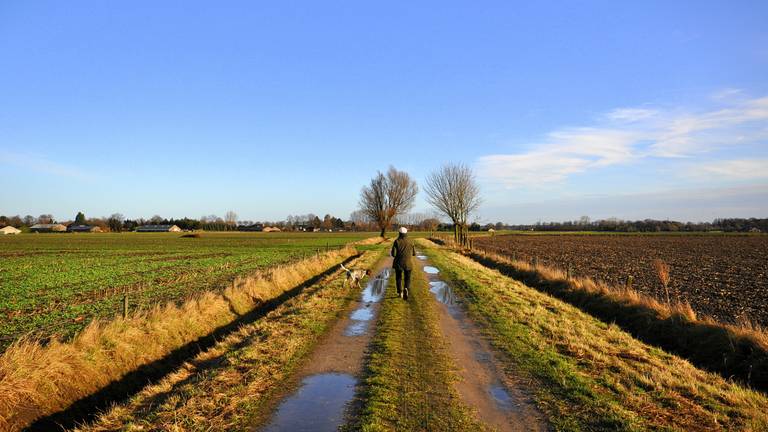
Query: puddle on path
443	292
431	270
482	386
373	293
317	406
421	257
501	397
363	314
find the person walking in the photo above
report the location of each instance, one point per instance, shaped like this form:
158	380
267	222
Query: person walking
402	251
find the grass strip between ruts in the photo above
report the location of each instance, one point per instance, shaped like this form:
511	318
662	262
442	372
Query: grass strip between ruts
408	384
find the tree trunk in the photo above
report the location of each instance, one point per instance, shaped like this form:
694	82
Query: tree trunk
383	231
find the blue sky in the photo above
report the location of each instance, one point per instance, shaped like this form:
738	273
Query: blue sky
625	109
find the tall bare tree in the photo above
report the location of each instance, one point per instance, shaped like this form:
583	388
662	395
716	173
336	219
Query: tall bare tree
388	196
230	218
454	192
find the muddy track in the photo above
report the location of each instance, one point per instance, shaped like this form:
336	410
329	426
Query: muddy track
320	394
499	401
87	409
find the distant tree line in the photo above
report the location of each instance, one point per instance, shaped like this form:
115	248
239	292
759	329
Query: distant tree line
649	225
360	221
117	222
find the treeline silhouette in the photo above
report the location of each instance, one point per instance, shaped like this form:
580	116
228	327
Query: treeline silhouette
649	225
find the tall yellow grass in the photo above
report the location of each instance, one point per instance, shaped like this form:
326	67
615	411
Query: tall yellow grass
37	380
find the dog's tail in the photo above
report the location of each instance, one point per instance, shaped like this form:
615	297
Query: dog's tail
344	268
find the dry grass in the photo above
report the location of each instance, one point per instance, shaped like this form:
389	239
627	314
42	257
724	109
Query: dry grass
38	380
369	241
662	271
735	351
593	375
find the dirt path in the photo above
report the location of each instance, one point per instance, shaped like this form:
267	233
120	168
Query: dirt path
325	385
499	402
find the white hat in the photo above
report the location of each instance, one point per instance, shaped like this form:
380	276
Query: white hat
403	230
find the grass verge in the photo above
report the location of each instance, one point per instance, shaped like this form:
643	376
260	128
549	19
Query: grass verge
232	385
738	352
409	376
38	380
592	375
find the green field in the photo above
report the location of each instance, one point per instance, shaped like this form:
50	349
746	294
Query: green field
57	283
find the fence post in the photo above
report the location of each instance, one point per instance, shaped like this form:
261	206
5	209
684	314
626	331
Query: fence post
125	305
535	262
568	271
628	284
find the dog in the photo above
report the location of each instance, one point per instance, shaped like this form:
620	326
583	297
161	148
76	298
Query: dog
355	276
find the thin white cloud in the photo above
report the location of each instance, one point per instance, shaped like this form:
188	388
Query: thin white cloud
727	93
630	134
736	169
630	114
43	165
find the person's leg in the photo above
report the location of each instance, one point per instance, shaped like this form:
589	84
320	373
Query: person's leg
407	283
398	279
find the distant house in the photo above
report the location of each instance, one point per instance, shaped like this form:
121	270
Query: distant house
254	227
42	228
307	228
158	228
271	229
83	228
9	230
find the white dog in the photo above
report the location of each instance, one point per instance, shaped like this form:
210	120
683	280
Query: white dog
356	276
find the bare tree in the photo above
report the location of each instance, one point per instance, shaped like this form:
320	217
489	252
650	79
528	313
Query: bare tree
115	222
388	196
230	218
45	219
454	192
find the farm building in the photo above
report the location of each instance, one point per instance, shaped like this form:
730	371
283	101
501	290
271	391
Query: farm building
255	227
158	228
271	229
83	228
9	230
40	228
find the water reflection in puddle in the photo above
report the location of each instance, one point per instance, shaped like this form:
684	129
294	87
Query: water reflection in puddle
443	292
421	257
317	406
501	397
373	292
431	270
362	314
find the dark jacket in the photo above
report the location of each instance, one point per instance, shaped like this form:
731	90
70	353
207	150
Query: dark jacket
402	251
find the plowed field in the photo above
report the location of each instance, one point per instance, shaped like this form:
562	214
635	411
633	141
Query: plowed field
724	276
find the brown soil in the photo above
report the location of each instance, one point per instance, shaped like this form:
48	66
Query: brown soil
723	276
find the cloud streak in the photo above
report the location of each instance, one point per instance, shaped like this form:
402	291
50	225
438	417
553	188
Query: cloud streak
43	165
626	135
736	169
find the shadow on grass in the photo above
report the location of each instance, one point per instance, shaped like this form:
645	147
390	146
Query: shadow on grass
88	408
